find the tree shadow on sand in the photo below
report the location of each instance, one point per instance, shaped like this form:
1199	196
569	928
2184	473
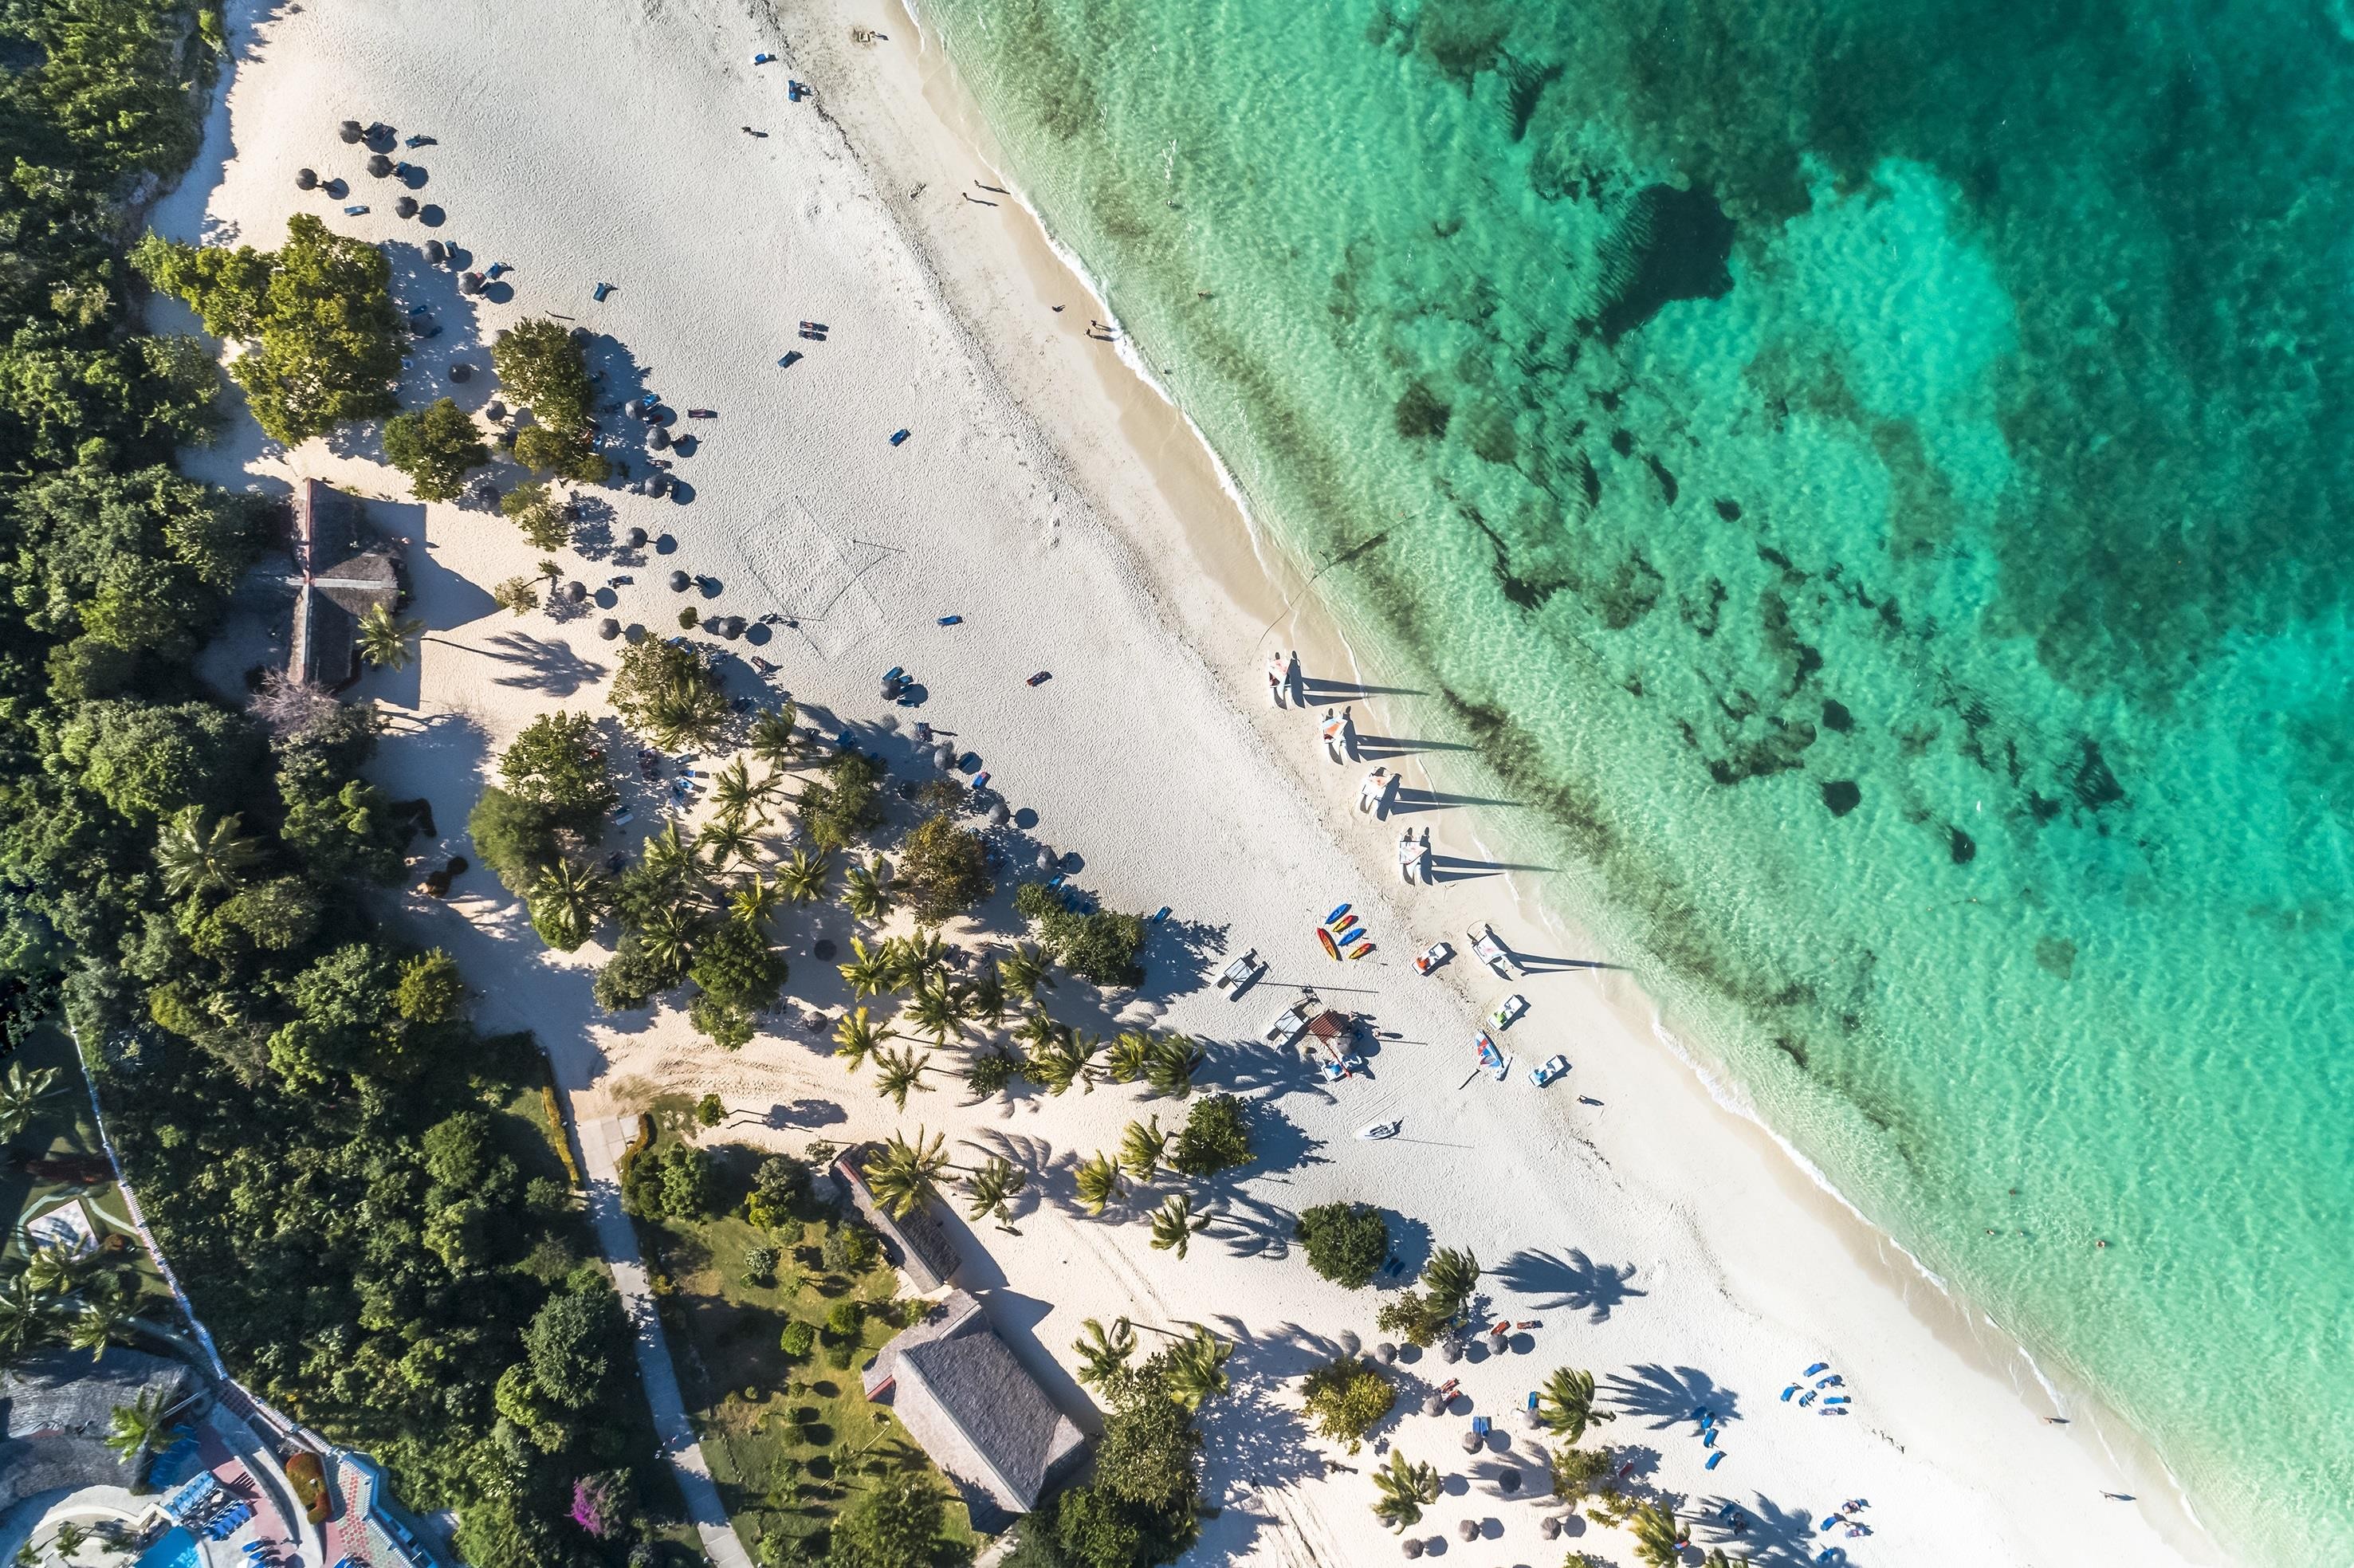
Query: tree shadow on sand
1575	1281
1775	1535
1663	1398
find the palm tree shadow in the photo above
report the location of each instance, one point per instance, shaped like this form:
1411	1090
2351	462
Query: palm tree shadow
1663	1398
551	667
1775	1535
1575	1282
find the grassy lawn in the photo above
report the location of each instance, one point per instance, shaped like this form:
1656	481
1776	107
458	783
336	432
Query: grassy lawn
789	1441
62	1132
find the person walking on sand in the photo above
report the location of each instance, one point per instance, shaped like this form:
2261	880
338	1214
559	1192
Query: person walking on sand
1410	856
1332	723
1373	794
1275	681
1347	737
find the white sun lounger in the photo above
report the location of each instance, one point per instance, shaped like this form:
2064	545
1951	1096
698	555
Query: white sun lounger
1289	1024
1236	976
1491	951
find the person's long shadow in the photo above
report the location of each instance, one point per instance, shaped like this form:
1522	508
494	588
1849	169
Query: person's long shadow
1319	689
1575	1281
1775	1535
1377	747
1407	800
1456	868
1667	1397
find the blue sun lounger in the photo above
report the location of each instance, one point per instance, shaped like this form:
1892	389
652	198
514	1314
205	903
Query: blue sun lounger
1712	1459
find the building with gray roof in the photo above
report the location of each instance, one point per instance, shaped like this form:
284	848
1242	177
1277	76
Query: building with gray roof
57	1407
915	1245
339	576
976	1409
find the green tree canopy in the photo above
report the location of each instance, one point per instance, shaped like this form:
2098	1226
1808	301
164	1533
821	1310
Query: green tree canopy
323	339
1345	1242
434	446
943	870
540	366
573	1343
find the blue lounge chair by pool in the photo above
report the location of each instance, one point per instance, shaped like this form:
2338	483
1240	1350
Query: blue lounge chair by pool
1482	1425
1831	1521
1708	1438
1712	1459
897	437
1160	916
600	291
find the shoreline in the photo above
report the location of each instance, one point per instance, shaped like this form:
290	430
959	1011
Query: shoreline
1119	439
1952	1318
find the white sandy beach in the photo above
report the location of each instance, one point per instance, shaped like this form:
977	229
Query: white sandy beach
1659	1239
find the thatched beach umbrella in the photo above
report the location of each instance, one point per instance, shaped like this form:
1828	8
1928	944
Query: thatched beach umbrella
306	179
633	632
658	483
1549	1527
679	582
1467	1530
469	282
1434	1404
945	756
576	591
635	539
1450	1351
999	816
404	208
436	252
462	371
494	410
1411	1546
1045	859
1385	1353
608	628
732	626
379	165
657	438
350	132
1509	1482
1472	1442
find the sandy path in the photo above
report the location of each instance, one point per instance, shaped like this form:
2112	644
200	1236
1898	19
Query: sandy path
1656	1238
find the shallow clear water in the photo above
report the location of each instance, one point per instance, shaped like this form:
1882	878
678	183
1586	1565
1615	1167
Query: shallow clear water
1869	479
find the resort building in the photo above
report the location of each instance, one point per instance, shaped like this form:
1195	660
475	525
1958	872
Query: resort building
57	1408
340	574
976	1409
915	1246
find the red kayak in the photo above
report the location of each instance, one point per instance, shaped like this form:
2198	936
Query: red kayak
1331	947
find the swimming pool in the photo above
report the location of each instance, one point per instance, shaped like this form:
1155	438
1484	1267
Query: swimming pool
175	1548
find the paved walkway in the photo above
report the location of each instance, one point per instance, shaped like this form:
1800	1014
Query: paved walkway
601	1143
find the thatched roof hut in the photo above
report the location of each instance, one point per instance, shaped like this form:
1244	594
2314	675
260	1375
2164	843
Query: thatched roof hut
635	539
608	628
379	165
680	582
404	208
306	179
350	132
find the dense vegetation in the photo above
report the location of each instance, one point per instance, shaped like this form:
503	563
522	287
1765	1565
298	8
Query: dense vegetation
1345	1242
317	1133
540	365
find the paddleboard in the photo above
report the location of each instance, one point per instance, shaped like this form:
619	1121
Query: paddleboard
1332	948
1361	949
1338	910
1346	929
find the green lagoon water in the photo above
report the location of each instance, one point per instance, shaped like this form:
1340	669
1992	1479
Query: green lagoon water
1871	481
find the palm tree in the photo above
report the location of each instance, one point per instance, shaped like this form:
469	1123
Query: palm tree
727	838
897	1073
733	790
936	1009
773	741
670	859
855	1038
1658	1538
903	1176
1576	1472
26	1319
668	937
1104	1356
198	859
866	895
1141	1146
1124	1062
919	953
685	710
1025	970
869	970
96	1324
1174	1225
20	1094
1406	1489
1566	1404
1449	1278
984	998
568	896
1196	1368
1064	1061
384	640
989	1190
1098	1182
132	1429
752	904
69	1540
59	1268
1036	1031
1170	1066
803	875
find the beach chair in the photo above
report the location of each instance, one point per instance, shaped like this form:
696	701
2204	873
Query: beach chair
1236	976
1491	950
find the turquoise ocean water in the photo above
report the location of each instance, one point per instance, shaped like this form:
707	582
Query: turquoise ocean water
1870	480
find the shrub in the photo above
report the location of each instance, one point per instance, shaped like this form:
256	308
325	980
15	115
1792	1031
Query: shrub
558	763
991	1072
797	1339
1100	947
540	365
943	870
781	1182
689	618
760	1266
520	595
849	1249
1345	1242
710	1111
1345	1397
434	447
1213	1137
546	451
673	1180
667	694
894	1523
845	1318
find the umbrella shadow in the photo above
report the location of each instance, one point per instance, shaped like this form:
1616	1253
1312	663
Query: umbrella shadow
1574	1280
